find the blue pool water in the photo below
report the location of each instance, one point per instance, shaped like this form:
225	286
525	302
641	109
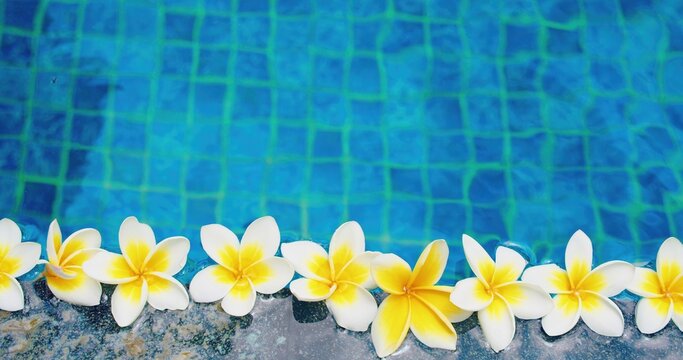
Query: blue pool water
513	121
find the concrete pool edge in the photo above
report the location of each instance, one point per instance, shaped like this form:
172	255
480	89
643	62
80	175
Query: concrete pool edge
279	326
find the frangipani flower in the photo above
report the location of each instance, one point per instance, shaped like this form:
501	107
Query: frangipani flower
144	273
415	302
243	268
16	259
341	279
662	291
496	295
63	271
582	293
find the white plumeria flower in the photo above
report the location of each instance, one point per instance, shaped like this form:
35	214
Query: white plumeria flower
144	273
662	291
243	268
341	279
16	259
415	302
496	295
582	292
63	271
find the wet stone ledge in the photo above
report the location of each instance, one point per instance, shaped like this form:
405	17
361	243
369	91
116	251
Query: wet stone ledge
280	327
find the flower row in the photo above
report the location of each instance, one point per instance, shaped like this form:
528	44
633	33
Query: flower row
342	277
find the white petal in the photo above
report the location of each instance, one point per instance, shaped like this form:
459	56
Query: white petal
669	261
645	283
430	265
270	275
353	307
10	233
609	279
601	314
479	260
11	294
653	314
550	277
509	265
430	326
391	273
211	284
78	290
359	270
20	259
470	294
168	256
439	297
263	234
308	258
136	240
109	268
678	312
128	300
391	326
527	301
166	293
311	290
564	316
498	324
578	257
80	240
53	242
240	300
348	241
60	272
221	244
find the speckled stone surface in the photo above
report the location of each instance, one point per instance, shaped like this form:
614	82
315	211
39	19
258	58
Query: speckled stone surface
280	327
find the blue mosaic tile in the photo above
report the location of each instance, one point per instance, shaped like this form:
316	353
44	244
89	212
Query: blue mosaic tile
208	100
178	26
488	150
327	144
362	8
101	17
16	50
364	76
213	62
38	197
561	11
294	7
287	179
446	184
407	181
12	119
10	158
488	187
251	103
253	31
43	160
326	179
198	180
20	13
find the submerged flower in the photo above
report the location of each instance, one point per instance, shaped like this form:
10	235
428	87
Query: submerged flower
582	292
415	302
63	271
243	268
496	295
16	259
341	279
662	291
143	273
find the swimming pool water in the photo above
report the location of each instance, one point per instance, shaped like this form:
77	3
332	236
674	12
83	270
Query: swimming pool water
513	121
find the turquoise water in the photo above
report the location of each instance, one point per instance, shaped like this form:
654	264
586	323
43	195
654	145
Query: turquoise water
512	121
